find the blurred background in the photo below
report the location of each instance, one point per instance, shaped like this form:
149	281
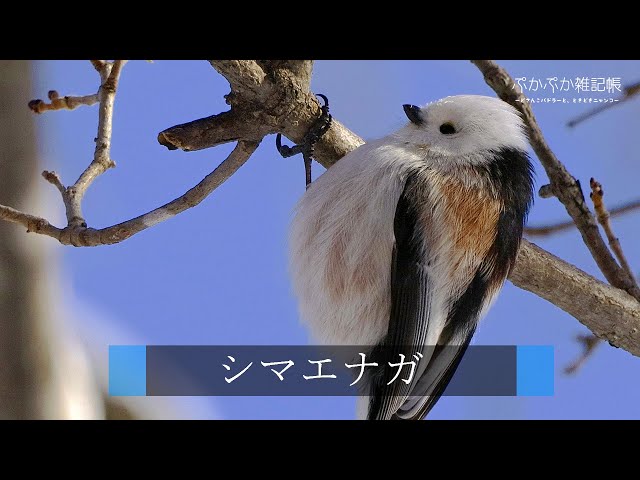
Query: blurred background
217	273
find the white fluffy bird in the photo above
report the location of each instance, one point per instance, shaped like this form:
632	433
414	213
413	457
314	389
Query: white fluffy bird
407	240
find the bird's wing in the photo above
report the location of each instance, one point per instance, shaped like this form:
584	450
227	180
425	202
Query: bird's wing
453	342
415	320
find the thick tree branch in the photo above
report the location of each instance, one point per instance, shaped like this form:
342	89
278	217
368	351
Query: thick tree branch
566	188
266	97
610	313
91	237
225	127
244	75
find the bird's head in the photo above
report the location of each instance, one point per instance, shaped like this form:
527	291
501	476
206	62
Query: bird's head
464	128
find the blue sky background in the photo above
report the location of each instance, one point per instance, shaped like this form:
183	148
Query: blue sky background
216	274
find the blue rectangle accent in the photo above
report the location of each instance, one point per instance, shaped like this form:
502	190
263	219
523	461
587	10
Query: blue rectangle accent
535	370
127	370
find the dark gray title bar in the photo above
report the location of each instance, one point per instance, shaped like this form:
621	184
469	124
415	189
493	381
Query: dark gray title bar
186	370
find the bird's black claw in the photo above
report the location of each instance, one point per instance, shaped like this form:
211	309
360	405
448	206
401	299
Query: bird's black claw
324	99
317	130
282	149
285	150
322	124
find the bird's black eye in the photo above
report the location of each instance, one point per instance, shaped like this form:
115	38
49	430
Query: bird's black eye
447	129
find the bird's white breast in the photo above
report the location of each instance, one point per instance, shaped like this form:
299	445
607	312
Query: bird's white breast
341	243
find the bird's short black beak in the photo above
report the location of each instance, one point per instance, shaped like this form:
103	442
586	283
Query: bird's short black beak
413	113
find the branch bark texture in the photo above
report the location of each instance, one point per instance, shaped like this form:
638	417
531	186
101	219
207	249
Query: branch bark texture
266	97
610	313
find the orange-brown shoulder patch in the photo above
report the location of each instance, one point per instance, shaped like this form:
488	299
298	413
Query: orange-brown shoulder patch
471	215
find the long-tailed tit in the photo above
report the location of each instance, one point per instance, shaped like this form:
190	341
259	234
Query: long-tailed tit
407	240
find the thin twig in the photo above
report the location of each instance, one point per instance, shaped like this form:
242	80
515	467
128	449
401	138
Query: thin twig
111	83
54	179
62	103
33	223
71	102
101	157
543	230
563	185
76	232
72	196
603	216
629	92
589	344
546	191
90	237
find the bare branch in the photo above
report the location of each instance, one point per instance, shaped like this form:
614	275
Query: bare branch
33	224
589	344
241	74
603	216
61	103
217	129
262	104
54	179
563	185
629	92
73	195
545	191
610	313
90	237
543	230
101	157
71	102
76	232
